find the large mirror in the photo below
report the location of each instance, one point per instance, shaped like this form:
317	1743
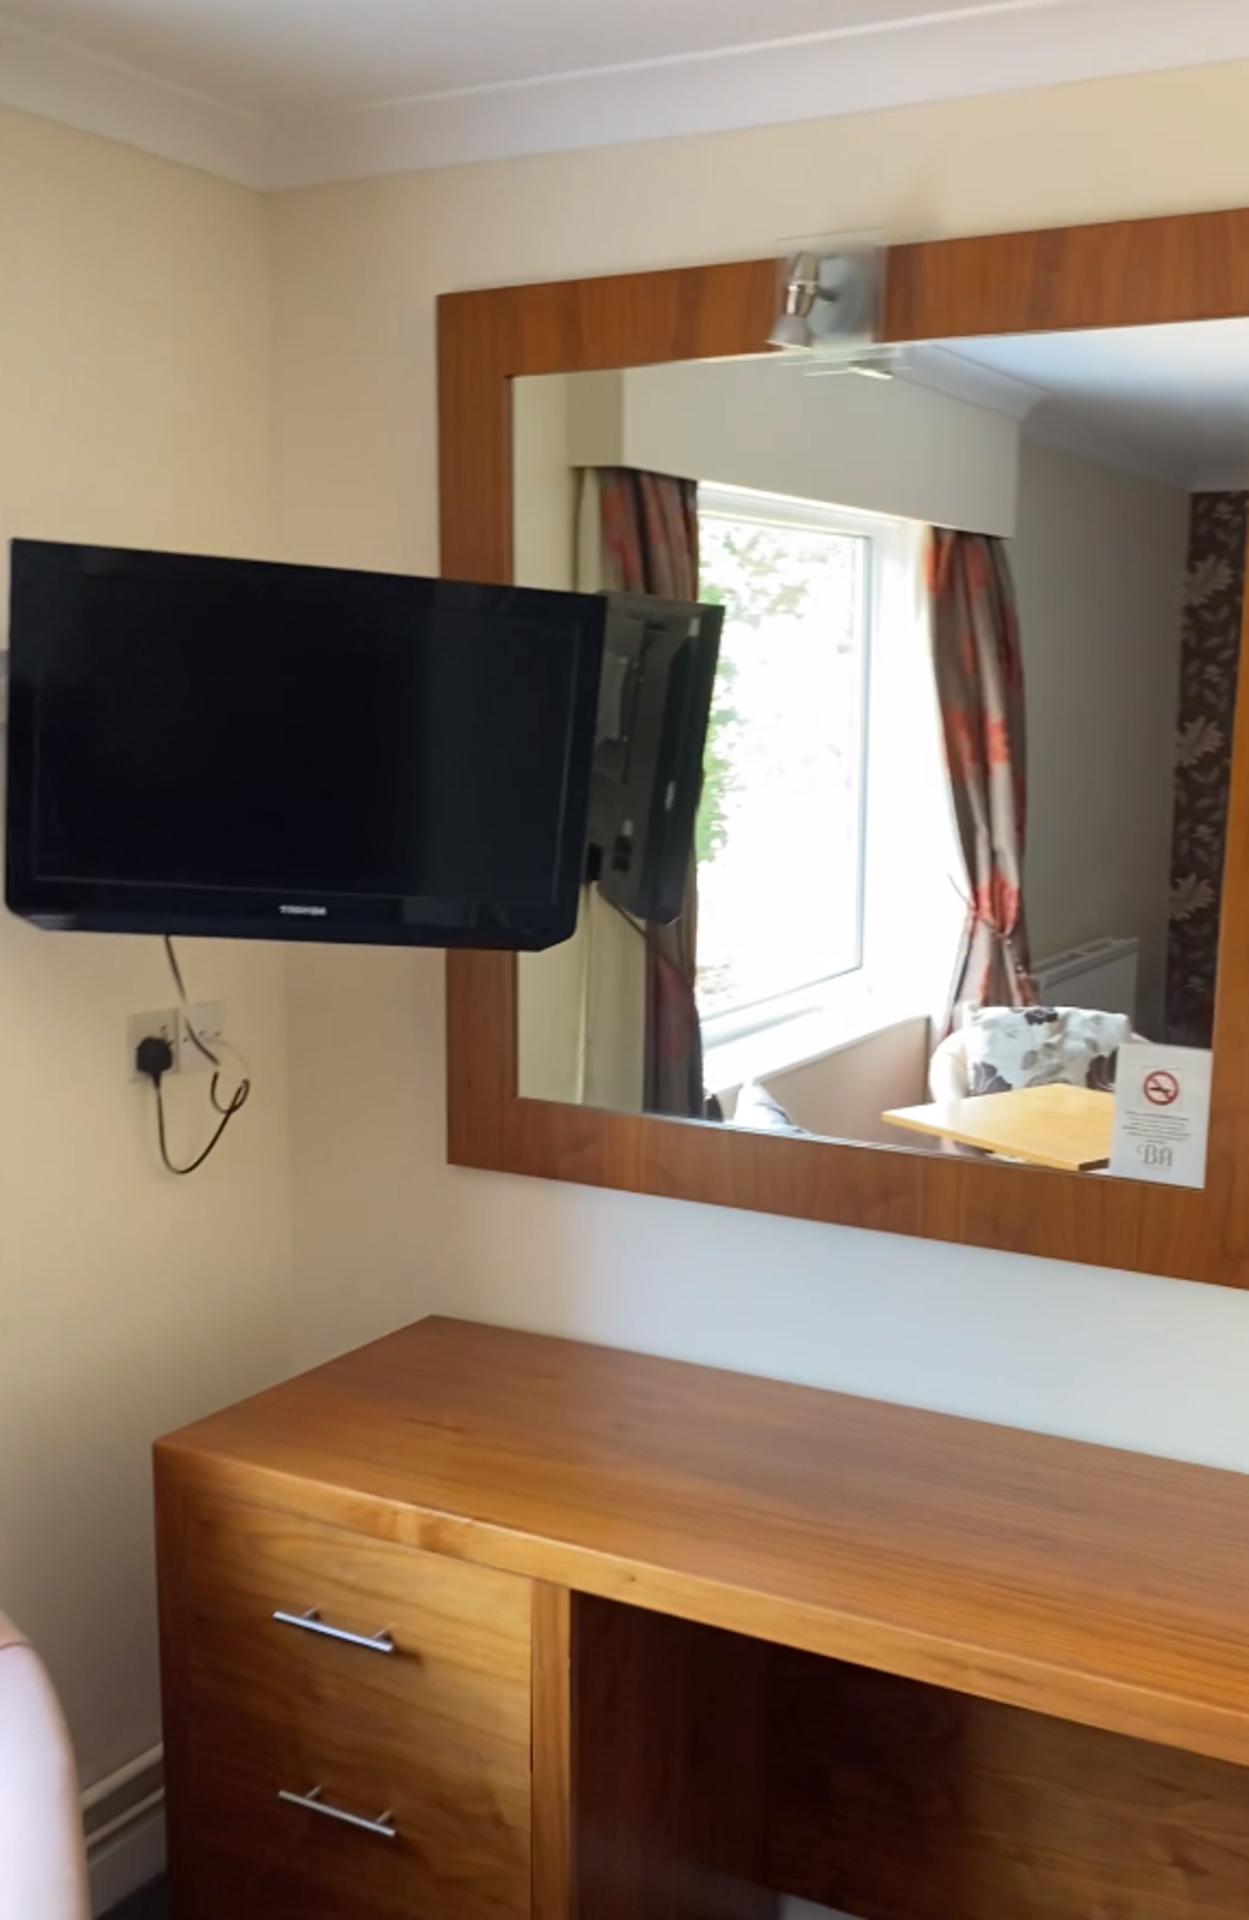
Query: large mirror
963	769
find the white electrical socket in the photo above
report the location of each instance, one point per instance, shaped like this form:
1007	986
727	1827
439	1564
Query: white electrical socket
206	1023
150	1026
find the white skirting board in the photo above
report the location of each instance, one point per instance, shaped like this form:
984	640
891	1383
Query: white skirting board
127	1860
124	1816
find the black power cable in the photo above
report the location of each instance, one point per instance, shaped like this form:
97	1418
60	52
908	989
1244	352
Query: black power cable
201	1045
154	1058
227	1114
174	968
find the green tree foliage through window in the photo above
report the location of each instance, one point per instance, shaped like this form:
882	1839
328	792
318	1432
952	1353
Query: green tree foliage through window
779	837
743	572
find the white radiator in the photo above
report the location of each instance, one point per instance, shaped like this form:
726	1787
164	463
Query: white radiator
1101	975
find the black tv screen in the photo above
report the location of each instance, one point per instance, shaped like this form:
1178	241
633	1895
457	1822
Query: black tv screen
240	748
659	670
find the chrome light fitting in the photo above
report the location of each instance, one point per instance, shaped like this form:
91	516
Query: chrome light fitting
802	284
829	303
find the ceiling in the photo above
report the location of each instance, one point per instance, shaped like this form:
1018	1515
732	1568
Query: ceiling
272	55
283	92
1171	403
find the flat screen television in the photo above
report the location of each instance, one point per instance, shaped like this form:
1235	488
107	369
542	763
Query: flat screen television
241	749
659	670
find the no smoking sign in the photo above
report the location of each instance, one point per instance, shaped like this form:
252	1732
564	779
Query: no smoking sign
1161	1089
1162	1112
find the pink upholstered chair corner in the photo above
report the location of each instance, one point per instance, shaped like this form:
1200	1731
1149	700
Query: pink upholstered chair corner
43	1867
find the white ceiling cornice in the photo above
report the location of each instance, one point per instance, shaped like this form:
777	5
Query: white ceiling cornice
1027	43
960	53
42	76
946	370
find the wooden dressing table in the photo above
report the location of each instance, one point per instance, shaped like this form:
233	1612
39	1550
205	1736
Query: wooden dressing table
474	1623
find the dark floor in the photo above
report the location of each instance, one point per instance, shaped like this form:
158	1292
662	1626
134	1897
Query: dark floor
147	1904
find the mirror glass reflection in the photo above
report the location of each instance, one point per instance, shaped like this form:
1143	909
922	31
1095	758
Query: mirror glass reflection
961	816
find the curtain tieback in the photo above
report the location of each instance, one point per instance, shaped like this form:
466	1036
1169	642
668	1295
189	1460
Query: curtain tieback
997	906
980	915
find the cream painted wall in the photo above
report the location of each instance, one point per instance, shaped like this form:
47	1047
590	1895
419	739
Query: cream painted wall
844	1094
581	1006
772	425
1099	561
134	365
384	1231
544	521
552	985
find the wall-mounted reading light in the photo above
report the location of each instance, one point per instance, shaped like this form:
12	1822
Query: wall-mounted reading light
829	302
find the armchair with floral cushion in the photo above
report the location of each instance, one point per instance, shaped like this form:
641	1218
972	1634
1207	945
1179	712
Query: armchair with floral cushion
1000	1048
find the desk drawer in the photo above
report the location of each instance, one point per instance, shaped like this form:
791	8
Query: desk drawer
395	1683
450	1848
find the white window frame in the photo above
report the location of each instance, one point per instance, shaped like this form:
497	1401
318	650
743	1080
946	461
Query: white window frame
739	504
813	1020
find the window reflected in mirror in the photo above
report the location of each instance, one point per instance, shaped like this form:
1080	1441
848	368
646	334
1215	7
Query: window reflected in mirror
917	841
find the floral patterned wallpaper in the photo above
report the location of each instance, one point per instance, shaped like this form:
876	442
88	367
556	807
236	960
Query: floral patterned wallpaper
1213	605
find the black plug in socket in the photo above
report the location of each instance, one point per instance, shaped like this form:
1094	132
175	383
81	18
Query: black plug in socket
153	1058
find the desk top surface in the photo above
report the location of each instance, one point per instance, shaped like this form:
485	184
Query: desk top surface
1103	1587
1068	1128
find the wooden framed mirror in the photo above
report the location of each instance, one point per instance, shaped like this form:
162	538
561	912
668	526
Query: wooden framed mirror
1168	274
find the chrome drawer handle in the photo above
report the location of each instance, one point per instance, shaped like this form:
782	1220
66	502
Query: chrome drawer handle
311	1622
383	1825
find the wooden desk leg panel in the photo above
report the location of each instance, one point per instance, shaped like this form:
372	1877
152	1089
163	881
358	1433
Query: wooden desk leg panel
669	1768
896	1801
554	1896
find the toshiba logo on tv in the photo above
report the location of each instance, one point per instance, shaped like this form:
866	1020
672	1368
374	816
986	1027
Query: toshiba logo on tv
304	913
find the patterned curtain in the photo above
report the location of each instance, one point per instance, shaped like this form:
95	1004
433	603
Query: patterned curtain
649	529
979	674
1209	669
